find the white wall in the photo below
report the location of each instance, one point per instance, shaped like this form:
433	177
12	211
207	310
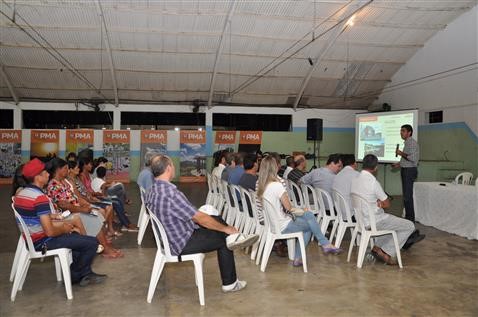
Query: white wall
457	94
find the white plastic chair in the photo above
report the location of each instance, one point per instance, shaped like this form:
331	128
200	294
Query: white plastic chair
247	205
240	220
464	178
257	247
210	190
297	197
20	249
310	198
324	218
143	219
272	233
362	207
63	258
163	256
342	208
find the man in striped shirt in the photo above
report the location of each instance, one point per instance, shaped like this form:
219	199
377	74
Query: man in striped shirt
190	230
35	208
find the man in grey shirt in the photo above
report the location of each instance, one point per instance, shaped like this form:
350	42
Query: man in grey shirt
323	177
408	168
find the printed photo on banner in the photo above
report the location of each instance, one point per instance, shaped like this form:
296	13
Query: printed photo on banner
10	154
193	156
117	151
225	140
153	141
79	140
44	144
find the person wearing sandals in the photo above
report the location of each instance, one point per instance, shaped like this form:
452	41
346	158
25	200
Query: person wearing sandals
100	185
59	190
270	188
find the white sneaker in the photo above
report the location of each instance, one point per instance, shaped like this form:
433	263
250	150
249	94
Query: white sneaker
234	287
240	240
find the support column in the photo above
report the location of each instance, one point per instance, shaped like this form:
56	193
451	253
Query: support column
116	119
17	118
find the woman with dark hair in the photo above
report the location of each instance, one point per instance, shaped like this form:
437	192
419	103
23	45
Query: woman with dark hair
271	189
61	193
76	185
19	182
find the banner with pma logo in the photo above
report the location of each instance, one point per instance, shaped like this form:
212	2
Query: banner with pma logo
153	141
117	151
10	154
193	156
44	144
78	140
250	137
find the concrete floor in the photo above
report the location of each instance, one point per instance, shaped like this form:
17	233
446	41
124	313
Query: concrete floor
439	278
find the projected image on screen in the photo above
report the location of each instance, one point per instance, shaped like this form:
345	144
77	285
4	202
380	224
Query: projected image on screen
379	133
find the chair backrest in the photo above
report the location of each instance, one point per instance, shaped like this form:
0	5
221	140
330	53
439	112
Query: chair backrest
256	206
297	196
343	209
142	193
160	236
362	208
325	196
464	178
24	231
270	221
310	198
235	195
247	202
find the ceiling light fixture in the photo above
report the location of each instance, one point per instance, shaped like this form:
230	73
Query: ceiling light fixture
351	21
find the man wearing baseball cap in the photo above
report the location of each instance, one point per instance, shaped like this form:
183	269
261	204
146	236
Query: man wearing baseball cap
35	208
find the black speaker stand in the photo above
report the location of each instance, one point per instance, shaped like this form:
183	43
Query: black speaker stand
316	154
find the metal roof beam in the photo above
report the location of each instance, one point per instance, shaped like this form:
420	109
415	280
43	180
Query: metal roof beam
219	52
110	54
9	85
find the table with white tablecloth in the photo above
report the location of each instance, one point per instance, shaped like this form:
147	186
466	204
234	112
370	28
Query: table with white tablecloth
451	208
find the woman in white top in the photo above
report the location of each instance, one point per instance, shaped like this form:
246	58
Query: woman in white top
270	188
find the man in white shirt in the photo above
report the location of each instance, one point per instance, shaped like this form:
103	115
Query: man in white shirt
217	171
343	180
367	186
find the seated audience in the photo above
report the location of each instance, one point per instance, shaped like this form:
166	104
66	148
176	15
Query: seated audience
61	193
234	174
271	189
343	180
230	164
100	185
299	170
192	231
221	165
145	177
249	178
287	168
35	208
367	186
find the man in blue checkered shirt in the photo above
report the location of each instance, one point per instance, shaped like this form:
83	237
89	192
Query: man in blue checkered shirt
190	230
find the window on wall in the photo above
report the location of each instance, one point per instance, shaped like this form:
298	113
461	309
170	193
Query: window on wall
46	119
162	120
251	122
435	116
6	118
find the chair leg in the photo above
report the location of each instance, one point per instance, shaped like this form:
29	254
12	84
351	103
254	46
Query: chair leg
291	249
198	264
340	235
351	246
58	269
325	225
19	275
65	267
24	274
255	246
362	249
302	252
260	252
142	227
155	275
397	249
334	229
267	253
18	252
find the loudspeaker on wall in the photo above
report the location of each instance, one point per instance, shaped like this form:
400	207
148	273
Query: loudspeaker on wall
314	129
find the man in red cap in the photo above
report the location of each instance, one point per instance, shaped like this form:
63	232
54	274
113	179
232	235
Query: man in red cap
35	209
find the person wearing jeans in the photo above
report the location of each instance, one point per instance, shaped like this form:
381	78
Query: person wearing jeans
270	188
35	208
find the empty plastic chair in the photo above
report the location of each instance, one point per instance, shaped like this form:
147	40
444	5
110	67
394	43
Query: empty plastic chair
464	178
344	217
